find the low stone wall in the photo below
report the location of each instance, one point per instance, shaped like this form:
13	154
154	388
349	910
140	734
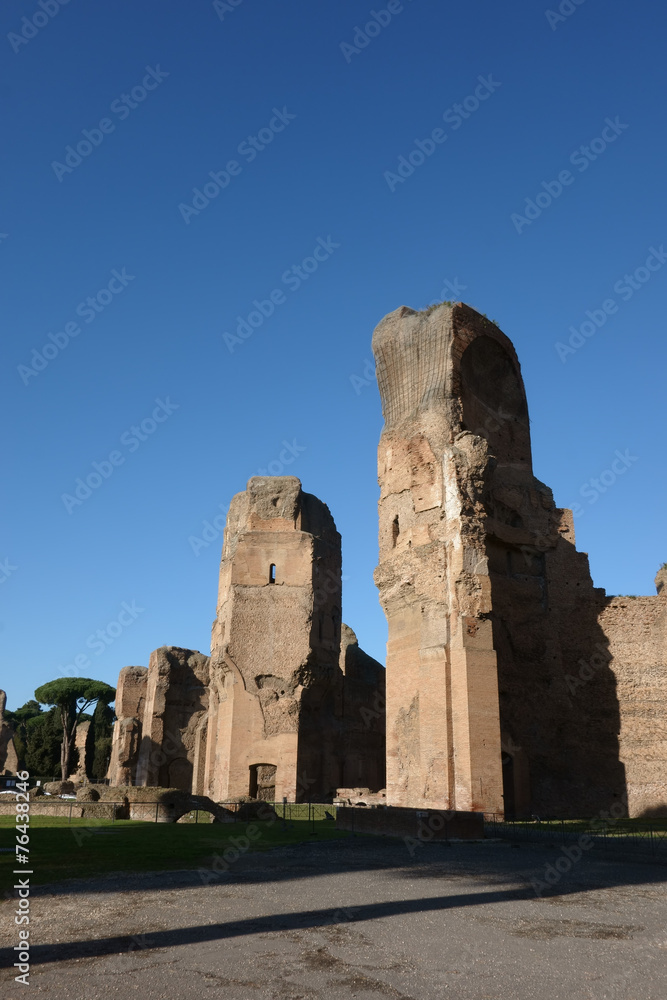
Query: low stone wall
64	807
150	805
154	812
418	824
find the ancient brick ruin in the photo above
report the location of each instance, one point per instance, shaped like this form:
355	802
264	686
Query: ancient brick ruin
278	708
130	702
81	738
512	683
8	759
636	629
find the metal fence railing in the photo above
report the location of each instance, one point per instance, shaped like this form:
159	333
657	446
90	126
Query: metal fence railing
288	812
646	838
166	811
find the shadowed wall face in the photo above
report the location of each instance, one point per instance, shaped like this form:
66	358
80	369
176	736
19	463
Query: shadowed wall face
636	628
361	744
176	709
493	401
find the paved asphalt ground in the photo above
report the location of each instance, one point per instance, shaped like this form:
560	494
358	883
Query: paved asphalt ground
354	918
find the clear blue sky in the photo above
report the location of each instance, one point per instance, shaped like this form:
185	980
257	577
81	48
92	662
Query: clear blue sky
338	121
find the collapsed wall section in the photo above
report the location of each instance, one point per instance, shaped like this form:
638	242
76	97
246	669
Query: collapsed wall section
173	736
126	737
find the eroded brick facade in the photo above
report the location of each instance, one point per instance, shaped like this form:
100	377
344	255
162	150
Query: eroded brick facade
491	610
8	758
129	710
286	693
636	629
512	683
287	705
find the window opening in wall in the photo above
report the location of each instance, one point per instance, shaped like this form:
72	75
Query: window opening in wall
272	573
394	531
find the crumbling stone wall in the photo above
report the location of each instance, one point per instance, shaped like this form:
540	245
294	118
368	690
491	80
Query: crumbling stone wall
172	749
276	712
489	605
636	629
126	738
512	684
8	759
274	647
80	740
287	705
362	714
443	732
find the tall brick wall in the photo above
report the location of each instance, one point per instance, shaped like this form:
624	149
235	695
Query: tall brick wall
443	728
174	720
489	605
361	714
636	629
277	716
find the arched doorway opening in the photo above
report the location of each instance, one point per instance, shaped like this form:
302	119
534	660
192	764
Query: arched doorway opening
262	783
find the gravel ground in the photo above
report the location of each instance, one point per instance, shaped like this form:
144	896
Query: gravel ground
354	918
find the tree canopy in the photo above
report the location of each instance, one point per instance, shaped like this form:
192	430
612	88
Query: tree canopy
72	690
19	720
42	744
72	696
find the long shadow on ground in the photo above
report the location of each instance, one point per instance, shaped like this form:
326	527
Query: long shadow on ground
477	864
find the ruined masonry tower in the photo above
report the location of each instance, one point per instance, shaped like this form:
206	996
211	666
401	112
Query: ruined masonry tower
491	609
275	717
443	732
281	707
513	685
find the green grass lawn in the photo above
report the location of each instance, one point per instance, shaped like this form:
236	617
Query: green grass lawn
85	847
